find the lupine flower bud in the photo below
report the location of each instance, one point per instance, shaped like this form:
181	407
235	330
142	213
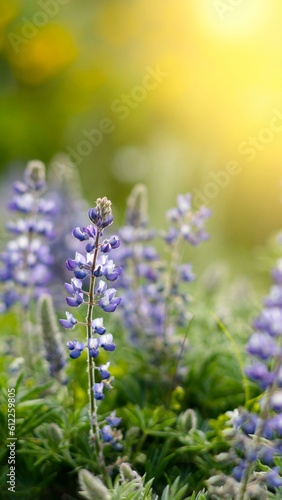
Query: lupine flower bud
101	215
137	207
55	433
53	348
91	487
34	175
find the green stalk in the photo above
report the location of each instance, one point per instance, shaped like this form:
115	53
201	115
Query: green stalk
237	353
26	321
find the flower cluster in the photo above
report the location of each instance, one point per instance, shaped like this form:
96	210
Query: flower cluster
140	262
187	226
257	435
65	189
155	303
92	270
27	259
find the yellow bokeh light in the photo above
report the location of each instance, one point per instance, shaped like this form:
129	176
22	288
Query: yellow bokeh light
222	59
40	58
231	18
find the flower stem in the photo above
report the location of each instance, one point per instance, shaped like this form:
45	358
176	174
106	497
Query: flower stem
94	434
176	256
26	327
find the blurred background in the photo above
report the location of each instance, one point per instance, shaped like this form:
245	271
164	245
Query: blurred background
182	96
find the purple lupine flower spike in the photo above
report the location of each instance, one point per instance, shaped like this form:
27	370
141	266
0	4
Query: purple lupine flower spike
27	261
155	297
85	289
257	435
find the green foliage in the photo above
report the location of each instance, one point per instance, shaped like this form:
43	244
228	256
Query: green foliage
164	441
173	418
129	486
202	495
